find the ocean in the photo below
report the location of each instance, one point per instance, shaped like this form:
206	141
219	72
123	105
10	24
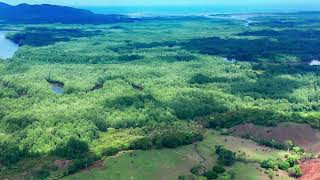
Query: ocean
192	10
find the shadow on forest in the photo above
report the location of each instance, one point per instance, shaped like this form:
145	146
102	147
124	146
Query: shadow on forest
12	90
137	101
267	86
38	37
274	83
189	105
269	45
274	45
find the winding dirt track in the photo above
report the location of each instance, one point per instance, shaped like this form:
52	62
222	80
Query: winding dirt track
203	159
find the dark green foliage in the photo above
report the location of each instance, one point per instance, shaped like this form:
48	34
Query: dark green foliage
185	58
271	143
197	170
45	36
130	57
110	151
141	143
256	116
82	163
225	156
17	122
42	174
188	177
173	140
210	175
74	148
101	124
196	104
218	169
137	101
174	135
9	152
200	79
295	43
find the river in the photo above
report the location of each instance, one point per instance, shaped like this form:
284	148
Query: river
7	47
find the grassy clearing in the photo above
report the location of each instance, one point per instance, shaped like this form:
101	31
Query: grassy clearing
170	163
151	164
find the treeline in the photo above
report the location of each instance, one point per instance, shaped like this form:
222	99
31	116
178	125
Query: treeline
260	117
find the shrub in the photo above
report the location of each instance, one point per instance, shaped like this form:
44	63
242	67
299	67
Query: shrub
295	171
268	164
74	148
271	173
218	169
292	160
284	165
110	151
297	149
226	157
141	143
82	162
175	139
210	175
101	124
273	144
196	170
227	175
172	140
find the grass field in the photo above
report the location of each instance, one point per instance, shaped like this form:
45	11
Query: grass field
163	164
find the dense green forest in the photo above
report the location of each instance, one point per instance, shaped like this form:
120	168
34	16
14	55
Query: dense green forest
150	84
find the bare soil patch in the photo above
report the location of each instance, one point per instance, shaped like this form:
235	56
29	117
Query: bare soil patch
302	135
62	164
310	170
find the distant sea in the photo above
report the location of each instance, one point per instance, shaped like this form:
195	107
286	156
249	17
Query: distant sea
192	10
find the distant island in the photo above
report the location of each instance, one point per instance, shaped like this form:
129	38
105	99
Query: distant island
45	13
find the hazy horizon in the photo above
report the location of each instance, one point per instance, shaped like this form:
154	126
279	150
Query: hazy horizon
170	2
183	6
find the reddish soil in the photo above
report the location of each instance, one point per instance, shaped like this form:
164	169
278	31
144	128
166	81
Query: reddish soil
310	170
302	135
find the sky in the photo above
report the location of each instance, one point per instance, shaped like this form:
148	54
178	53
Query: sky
167	2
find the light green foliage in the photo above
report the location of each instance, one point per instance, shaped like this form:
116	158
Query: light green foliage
283	165
295	171
268	164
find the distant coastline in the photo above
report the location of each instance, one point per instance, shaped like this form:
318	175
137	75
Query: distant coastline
191	10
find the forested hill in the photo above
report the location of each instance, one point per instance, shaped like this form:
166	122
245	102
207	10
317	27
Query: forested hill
45	13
